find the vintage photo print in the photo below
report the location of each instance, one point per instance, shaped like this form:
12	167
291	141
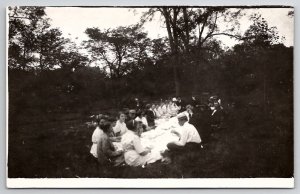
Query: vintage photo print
150	97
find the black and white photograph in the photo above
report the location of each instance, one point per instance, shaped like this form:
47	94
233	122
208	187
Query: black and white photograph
111	96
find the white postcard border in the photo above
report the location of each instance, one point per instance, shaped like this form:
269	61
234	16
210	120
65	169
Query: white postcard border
151	183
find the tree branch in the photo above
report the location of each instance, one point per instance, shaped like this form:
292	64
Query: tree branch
212	30
202	29
227	34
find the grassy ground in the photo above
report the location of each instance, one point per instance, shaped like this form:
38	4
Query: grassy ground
251	146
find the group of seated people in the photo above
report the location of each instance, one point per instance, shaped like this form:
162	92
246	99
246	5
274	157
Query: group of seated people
135	138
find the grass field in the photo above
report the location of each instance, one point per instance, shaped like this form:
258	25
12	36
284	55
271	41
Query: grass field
57	146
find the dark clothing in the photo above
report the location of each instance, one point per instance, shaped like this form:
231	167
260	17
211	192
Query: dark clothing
130	124
217	117
150	117
181	104
201	119
194	103
195	120
176	150
106	152
188	146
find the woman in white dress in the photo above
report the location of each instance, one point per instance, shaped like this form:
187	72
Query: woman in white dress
97	135
120	128
134	153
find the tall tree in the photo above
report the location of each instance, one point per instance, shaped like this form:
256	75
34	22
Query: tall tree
23	22
260	40
32	41
189	29
117	49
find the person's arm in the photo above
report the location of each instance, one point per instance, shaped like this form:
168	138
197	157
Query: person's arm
115	139
99	151
139	148
183	138
109	150
176	132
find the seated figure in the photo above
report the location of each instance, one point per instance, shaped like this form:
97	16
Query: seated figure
107	155
189	138
134	153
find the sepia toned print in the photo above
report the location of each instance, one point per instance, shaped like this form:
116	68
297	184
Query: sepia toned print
150	92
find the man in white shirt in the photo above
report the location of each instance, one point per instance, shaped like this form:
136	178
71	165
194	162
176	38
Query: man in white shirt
189	138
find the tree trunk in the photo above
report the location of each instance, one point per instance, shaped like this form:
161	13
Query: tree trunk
174	52
176	76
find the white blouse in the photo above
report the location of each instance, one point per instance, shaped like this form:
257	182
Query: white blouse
95	138
189	134
120	128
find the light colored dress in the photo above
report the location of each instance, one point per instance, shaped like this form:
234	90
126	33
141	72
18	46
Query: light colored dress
120	128
132	147
95	139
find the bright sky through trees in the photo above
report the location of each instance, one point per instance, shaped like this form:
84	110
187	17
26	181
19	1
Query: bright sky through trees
73	21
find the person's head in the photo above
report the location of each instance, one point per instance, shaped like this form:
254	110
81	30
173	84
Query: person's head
174	99
216	104
153	106
182	118
112	121
143	113
132	114
106	127
139	113
122	117
148	106
138	128
100	120
189	107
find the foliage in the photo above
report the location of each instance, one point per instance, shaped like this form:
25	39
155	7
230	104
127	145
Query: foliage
130	65
33	44
118	50
260	34
191	31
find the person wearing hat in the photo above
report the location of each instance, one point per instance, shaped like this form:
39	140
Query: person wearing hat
189	138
